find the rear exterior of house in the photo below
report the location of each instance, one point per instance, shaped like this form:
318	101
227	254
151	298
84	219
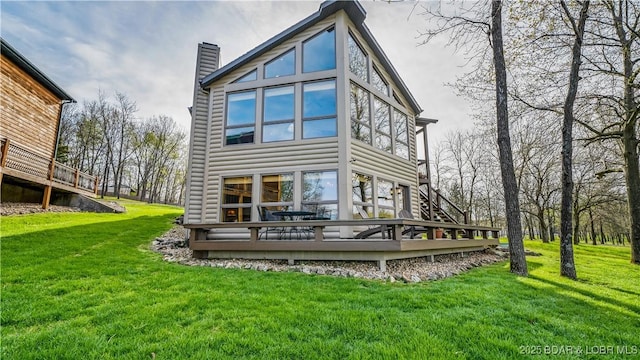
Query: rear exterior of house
30	109
317	119
301	122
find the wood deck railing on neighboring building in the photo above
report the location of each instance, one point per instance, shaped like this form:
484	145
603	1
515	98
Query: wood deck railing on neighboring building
18	161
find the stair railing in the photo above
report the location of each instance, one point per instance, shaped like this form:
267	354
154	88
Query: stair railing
449	210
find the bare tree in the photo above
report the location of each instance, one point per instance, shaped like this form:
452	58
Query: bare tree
465	25
124	112
514	224
615	65
567	264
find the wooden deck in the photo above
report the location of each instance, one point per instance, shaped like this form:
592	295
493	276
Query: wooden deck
458	238
19	162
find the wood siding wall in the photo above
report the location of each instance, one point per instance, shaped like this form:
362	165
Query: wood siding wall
28	111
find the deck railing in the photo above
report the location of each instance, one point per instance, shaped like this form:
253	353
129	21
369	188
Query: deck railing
19	158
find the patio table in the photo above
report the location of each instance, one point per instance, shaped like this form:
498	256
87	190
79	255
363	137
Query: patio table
295	215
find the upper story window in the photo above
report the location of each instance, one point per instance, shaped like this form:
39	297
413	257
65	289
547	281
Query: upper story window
359	109
357	60
319	109
382	119
241	117
397	98
251	76
278	114
402	135
283	65
378	82
319	52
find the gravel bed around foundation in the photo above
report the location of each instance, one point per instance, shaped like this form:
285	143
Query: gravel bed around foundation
174	249
7	209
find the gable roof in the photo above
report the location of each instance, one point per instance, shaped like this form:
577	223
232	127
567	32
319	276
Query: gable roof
356	13
24	64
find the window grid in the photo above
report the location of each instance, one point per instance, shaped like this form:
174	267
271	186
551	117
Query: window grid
278	113
319	51
359	110
237	199
283	65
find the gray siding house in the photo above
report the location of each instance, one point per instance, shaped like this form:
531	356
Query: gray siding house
314	119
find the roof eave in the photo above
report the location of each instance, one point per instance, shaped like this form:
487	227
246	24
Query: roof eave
377	49
356	13
33	71
327	8
420	121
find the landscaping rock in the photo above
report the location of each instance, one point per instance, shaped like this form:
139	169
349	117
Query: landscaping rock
174	248
7	209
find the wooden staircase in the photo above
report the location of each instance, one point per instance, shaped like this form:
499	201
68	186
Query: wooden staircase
436	207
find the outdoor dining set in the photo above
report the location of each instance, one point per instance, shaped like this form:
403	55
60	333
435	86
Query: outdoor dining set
293	231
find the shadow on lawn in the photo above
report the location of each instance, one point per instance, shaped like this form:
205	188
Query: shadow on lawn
35	248
589	294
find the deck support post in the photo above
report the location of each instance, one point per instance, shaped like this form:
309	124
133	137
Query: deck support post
318	233
397	232
5	153
46	198
77	178
291	262
383	265
255	234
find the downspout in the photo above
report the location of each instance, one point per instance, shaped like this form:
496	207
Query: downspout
62	104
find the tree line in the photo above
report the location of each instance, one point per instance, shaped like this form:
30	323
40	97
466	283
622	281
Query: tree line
143	158
559	84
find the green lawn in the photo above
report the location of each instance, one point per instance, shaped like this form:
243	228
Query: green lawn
85	286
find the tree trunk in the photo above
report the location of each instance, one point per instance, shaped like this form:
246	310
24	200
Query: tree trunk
529	223
567	264
551	220
632	177
576	226
629	140
544	234
518	261
593	228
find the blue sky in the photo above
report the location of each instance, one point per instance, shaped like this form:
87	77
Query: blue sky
147	50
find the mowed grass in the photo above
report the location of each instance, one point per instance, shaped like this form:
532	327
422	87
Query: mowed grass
86	286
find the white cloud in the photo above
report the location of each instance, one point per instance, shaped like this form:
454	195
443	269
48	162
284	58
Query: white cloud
147	50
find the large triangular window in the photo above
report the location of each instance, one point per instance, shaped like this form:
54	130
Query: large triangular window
357	60
251	76
319	52
378	82
283	65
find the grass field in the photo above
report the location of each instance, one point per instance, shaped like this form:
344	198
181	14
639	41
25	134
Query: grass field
85	286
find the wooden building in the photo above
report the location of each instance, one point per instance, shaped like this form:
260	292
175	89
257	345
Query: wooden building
315	119
30	109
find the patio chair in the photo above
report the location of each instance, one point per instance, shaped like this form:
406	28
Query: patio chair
386	231
267	215
383	229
